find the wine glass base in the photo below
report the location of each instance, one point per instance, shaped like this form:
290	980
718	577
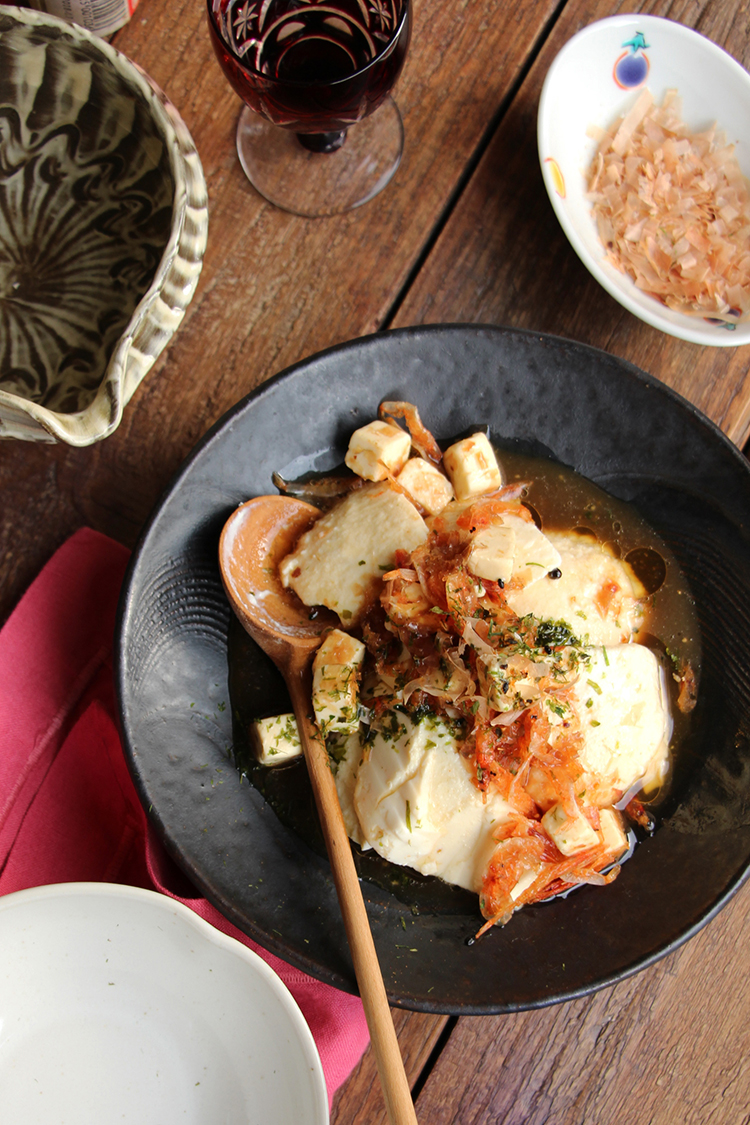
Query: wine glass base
315	184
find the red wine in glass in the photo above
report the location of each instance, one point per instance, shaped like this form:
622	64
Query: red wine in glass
314	67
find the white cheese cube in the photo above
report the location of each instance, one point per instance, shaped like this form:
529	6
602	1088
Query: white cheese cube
377	449
335	695
426	485
612	834
275	740
472	467
524	882
540	787
492	552
569	834
340	561
535	554
339	647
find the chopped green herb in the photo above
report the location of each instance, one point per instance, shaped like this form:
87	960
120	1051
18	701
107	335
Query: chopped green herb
554	634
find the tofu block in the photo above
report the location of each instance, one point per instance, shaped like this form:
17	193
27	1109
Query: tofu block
426	485
377	449
418	805
569	834
597	595
535	554
275	740
345	752
472	467
340	561
492	553
335	694
622	703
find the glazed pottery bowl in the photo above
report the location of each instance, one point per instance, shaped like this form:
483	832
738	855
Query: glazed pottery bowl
103	226
596	78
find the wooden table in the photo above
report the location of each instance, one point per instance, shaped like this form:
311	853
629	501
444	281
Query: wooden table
464	233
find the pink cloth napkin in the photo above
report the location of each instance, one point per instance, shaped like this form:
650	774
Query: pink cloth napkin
68	808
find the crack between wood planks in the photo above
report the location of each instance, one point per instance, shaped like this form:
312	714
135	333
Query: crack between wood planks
435	1053
470	168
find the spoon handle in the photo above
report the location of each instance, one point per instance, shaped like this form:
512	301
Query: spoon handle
396	1092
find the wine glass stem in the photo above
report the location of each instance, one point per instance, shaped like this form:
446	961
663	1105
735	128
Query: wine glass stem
322	142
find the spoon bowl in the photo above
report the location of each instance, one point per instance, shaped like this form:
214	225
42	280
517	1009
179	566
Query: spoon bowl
255	539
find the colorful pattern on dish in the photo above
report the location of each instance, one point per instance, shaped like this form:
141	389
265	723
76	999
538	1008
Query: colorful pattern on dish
632	66
557	177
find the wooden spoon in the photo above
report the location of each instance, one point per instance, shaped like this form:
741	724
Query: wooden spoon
254	540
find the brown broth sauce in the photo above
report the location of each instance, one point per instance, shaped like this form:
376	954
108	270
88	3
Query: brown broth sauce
561	500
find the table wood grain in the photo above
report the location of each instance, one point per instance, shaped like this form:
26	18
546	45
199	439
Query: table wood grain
274	288
502	258
464	233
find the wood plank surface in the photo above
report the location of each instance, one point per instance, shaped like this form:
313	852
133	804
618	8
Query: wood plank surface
360	1100
669	1045
274	288
503	258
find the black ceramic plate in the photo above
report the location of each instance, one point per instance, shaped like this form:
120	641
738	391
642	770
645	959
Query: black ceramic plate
589	410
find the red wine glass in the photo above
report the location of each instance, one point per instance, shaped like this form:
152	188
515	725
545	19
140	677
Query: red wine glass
307	71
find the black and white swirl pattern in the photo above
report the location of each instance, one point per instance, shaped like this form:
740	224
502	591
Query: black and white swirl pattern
92	189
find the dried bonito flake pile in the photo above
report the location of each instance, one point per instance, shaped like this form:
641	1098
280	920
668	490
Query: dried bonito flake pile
485	707
672	209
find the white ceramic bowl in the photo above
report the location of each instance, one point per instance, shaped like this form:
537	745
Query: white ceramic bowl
118	1004
582	90
103	220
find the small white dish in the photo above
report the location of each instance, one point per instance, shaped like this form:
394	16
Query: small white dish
118	1004
596	77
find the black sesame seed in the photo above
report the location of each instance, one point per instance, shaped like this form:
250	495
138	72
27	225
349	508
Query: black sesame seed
556	573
